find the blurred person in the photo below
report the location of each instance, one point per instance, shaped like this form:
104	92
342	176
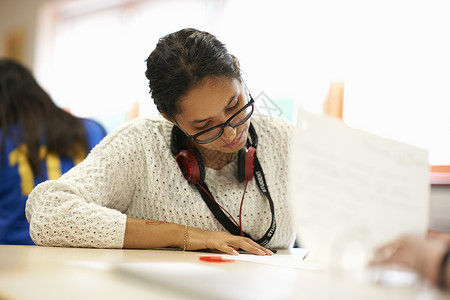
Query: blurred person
429	256
38	141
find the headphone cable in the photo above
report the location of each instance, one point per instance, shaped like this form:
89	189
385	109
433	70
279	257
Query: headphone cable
240	209
239	225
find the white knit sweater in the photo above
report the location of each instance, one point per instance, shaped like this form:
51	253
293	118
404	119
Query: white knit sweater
133	173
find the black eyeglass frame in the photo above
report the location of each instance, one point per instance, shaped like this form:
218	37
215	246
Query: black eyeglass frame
224	125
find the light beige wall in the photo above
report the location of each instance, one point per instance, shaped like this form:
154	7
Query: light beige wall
19	17
440	208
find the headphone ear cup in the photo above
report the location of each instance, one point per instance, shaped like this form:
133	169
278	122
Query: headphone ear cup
246	162
191	165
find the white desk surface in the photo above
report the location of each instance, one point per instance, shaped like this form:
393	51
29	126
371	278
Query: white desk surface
34	272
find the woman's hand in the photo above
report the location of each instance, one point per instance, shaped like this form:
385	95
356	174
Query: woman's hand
421	255
223	241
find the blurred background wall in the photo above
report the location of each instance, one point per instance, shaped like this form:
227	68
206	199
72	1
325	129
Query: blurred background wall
18	29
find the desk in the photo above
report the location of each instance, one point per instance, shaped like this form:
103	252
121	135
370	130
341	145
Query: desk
34	272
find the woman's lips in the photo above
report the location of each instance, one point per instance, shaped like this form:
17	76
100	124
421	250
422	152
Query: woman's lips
236	141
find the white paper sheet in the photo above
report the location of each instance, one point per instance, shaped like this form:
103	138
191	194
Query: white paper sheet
216	281
297	259
353	191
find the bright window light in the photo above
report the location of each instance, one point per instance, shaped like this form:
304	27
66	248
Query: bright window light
392	55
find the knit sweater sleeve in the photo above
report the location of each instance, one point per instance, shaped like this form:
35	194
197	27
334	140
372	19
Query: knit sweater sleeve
85	207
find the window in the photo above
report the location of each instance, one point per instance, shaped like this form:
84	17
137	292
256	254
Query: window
391	56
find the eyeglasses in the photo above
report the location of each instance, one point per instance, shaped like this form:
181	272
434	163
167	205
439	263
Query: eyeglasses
213	133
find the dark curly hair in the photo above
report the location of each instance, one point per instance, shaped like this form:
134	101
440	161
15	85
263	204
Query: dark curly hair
183	59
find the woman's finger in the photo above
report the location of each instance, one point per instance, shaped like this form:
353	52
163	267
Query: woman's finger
224	242
384	253
227	249
250	246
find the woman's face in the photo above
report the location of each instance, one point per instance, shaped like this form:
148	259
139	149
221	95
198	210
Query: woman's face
212	103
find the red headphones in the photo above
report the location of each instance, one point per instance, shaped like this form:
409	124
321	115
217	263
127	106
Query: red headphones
191	164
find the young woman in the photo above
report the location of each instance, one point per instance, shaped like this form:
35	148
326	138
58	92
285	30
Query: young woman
38	141
191	179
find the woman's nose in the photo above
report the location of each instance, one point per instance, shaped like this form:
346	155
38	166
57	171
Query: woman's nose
229	133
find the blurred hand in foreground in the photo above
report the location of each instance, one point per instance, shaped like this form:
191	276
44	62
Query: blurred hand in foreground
422	255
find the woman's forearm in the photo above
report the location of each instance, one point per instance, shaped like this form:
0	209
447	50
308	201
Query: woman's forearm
152	234
156	234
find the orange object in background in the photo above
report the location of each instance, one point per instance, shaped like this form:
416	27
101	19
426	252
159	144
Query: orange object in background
334	104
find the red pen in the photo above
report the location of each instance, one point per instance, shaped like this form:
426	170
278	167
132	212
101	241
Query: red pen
215	259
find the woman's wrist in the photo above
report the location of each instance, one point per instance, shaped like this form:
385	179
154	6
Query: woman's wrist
444	270
429	260
153	234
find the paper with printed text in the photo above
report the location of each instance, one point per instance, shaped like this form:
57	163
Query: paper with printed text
352	191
